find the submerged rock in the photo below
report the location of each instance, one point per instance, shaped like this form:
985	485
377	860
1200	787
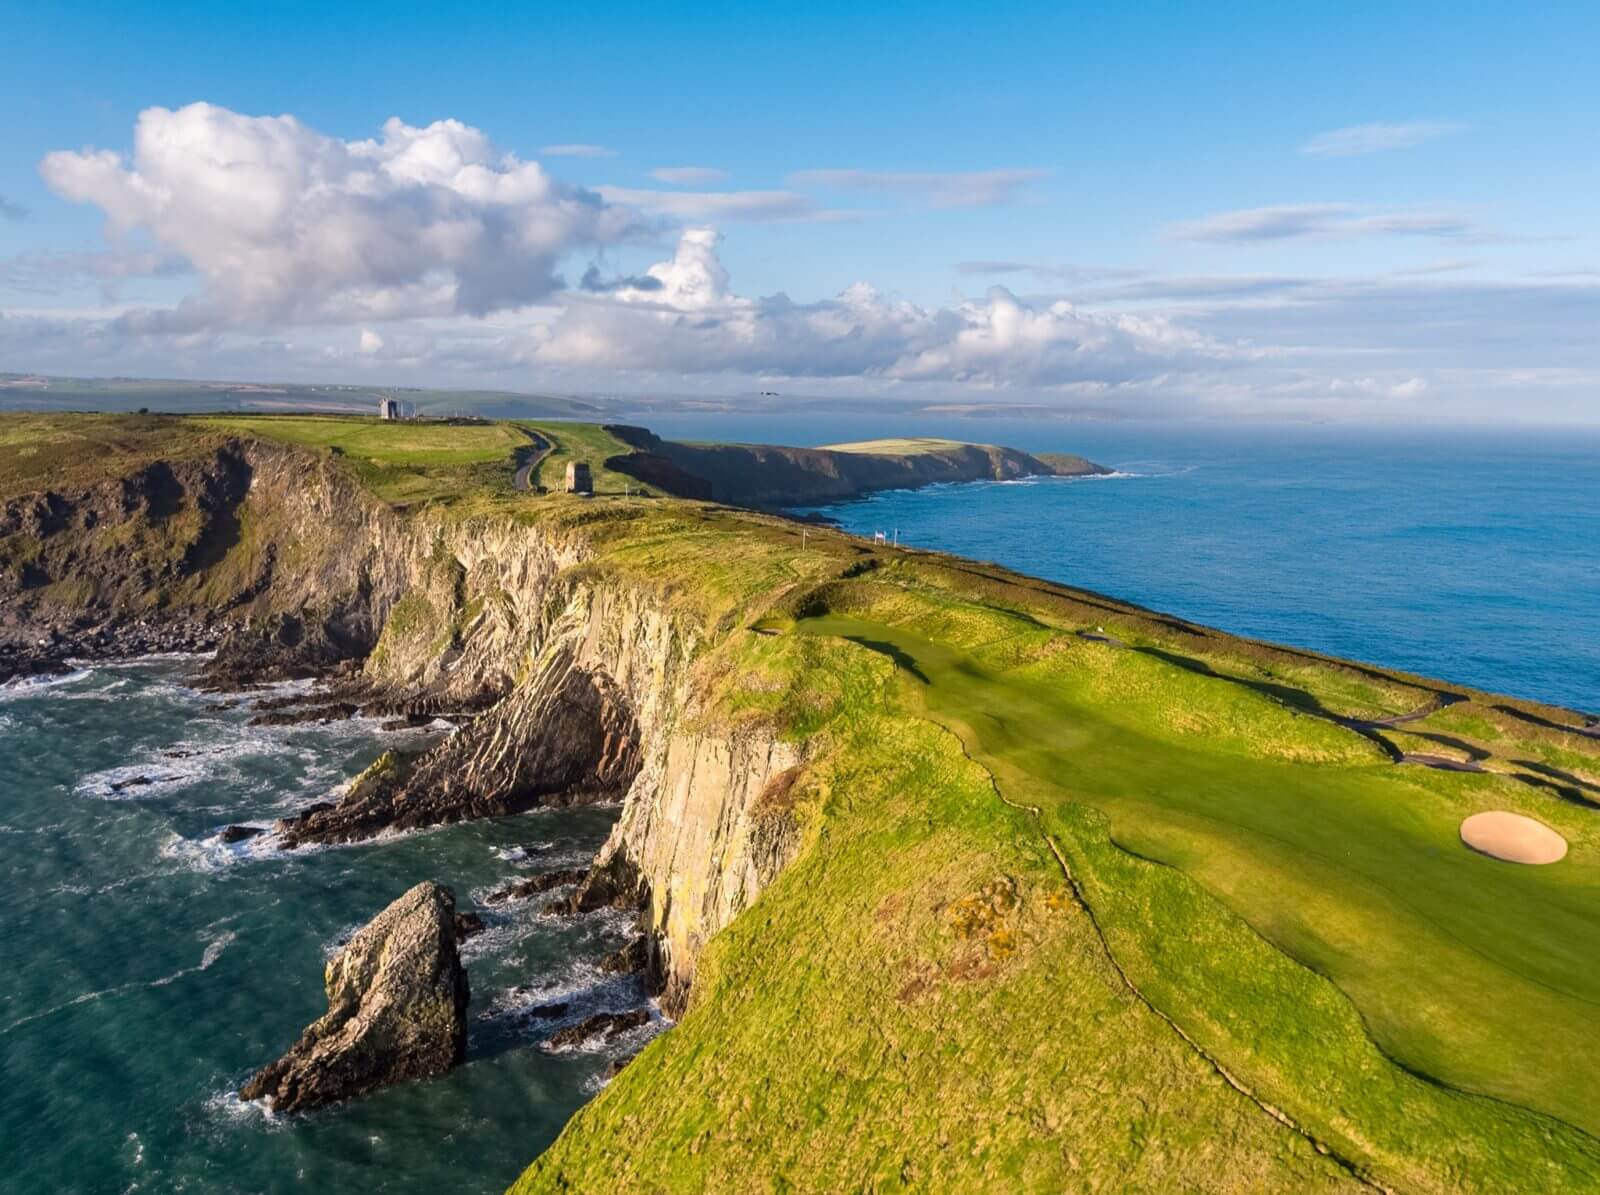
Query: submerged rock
297	715
237	833
397	1004
603	1025
544	882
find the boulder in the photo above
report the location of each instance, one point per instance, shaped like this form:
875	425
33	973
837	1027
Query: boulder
397	1009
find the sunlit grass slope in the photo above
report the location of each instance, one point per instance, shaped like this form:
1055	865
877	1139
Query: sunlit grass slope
1261	938
1258	871
581	442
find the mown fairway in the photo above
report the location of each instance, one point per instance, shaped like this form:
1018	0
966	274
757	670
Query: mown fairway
1476	973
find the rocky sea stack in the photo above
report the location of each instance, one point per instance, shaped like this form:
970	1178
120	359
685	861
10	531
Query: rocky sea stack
397	1009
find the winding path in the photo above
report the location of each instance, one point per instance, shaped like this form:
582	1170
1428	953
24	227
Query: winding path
522	479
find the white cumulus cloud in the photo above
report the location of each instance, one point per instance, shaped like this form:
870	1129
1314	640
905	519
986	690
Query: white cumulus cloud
284	223
688	320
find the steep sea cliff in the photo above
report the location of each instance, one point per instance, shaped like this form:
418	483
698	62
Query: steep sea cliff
572	684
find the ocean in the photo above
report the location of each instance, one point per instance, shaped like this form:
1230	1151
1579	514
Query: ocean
152	968
1466	555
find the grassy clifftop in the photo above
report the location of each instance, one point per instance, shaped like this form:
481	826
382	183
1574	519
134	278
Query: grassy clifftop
1089	897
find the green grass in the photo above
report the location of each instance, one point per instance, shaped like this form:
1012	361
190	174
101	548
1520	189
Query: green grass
39	451
581	442
1301	907
919	1002
1475	973
906	446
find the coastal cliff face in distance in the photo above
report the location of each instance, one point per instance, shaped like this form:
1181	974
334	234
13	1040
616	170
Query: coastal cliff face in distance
766	475
397	1010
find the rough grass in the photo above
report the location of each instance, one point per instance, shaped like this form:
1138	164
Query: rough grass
919	1002
402	462
54	452
582	442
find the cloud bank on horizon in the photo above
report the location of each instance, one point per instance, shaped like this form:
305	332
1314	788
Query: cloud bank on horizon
429	255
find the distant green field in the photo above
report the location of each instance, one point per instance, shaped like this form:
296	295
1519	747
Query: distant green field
403	462
909	446
582	442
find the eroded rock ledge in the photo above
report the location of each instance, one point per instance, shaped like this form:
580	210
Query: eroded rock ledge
568	682
397	1010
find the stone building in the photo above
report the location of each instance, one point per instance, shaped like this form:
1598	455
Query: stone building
578	479
388	408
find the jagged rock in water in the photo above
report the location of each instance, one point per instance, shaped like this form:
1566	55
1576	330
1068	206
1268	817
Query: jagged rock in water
337	711
615	884
237	833
604	1025
544	882
617	1065
468	924
397	1005
565	736
629	959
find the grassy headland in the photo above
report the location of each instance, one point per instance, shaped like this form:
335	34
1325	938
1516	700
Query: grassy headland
1155	909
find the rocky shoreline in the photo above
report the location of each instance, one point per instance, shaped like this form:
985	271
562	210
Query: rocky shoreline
31	652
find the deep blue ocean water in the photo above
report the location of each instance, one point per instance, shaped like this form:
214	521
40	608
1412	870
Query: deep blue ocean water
149	969
1472	556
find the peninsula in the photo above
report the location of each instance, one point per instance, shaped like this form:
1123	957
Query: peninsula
951	878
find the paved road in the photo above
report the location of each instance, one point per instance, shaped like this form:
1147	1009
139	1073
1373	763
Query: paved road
523	477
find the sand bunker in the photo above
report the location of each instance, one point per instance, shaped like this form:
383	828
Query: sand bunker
1512	837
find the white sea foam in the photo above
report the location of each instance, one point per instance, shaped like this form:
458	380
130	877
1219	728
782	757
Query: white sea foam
226	1106
21	687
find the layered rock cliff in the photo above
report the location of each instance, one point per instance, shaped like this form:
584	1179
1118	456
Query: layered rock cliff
771	475
569	683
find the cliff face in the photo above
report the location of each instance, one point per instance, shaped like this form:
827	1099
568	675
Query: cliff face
766	475
572	685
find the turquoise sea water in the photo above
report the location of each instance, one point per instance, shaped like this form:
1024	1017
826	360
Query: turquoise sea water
150	969
1472	556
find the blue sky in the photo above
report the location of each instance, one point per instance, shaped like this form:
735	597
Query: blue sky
1306	211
